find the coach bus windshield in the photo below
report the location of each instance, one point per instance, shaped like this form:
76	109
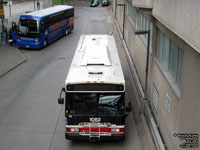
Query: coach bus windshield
29	28
96	104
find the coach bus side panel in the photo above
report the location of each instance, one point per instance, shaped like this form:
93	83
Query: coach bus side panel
57	30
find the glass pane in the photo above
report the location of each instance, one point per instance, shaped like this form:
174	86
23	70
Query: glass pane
141	20
160	44
165	50
151	33
83	103
110	104
180	63
173	54
147	27
29	28
143	23
129	9
131	12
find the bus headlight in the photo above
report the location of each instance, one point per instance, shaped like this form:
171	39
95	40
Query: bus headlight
115	130
19	40
36	41
74	129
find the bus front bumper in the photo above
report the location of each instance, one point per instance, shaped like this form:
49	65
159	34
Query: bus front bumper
77	137
29	45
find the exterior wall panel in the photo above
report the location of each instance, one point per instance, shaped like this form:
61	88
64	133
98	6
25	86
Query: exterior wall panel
179	16
189	112
143	3
178	20
167	121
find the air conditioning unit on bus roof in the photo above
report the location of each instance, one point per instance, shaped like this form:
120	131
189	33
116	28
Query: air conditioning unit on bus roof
94	55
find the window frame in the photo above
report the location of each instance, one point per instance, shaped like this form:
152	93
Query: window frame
178	63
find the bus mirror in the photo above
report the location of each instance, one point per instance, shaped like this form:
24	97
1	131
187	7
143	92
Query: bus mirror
60	100
14	27
129	107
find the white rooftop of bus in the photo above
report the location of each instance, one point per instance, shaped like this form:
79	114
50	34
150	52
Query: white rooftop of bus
48	11
96	60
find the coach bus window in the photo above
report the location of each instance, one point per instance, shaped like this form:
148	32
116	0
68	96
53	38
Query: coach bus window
84	104
29	28
110	104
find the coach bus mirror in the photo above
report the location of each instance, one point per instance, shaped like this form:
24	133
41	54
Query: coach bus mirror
129	107
14	27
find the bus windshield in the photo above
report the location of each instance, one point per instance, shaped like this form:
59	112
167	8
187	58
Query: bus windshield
96	104
29	28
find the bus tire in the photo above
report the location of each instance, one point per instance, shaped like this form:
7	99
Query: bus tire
45	43
67	31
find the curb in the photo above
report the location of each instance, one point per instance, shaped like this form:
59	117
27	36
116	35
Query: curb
15	65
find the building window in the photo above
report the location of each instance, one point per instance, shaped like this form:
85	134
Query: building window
131	12
170	55
173	57
145	24
165	57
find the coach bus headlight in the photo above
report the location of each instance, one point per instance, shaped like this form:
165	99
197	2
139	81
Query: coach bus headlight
19	40
36	41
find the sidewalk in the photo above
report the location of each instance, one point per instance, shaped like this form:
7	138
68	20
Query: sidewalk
10	57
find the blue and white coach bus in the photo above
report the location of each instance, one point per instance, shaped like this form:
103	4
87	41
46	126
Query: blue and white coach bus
37	29
95	108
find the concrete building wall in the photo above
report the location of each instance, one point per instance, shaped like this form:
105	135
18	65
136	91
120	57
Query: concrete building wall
167	121
174	19
179	16
47	3
183	116
119	16
189	112
143	3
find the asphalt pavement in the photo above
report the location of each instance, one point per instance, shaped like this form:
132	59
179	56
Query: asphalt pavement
10	56
38	122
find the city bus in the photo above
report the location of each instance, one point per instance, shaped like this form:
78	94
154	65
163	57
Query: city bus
37	29
94	90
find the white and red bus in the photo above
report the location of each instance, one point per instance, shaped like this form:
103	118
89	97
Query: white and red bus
95	92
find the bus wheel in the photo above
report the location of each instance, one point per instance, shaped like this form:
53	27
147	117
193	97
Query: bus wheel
67	31
45	43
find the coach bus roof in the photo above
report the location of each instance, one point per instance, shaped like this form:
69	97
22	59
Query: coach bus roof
95	60
48	11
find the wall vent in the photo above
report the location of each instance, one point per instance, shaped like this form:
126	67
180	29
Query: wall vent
155	96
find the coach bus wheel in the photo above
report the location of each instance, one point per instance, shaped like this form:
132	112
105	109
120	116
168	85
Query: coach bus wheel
45	43
67	31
